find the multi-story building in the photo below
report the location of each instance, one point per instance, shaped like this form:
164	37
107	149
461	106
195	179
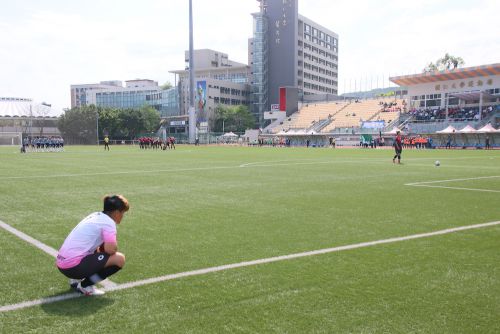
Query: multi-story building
290	50
79	92
218	80
287	50
135	94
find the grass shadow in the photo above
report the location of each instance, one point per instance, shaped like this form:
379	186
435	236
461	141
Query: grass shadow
75	304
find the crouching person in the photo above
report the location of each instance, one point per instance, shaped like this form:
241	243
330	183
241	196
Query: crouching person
89	253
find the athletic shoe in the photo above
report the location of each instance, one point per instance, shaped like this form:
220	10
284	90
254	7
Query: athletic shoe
74	282
393	161
89	290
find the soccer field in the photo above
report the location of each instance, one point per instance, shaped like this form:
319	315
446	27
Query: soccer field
205	207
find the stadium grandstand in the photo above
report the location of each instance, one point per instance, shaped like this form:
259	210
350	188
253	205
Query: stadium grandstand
459	97
468	99
22	117
332	117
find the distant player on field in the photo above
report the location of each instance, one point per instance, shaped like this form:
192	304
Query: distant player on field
398	147
89	253
106	143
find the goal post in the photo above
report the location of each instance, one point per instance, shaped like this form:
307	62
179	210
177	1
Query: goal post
11	138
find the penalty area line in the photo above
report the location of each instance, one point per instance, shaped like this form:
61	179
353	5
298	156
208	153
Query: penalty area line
153	280
456	188
432	184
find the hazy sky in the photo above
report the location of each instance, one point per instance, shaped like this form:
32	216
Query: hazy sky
48	45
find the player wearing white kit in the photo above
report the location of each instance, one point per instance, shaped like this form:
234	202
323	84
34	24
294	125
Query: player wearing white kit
89	253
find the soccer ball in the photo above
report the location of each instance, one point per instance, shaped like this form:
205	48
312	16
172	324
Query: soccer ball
437	163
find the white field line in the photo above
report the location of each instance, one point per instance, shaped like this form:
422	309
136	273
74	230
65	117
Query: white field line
134	284
248	164
452	166
40	245
456	188
431	184
180	169
194	169
452	180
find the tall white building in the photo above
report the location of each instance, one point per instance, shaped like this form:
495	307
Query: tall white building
290	50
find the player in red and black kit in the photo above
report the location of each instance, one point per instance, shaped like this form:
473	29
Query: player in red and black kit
398	147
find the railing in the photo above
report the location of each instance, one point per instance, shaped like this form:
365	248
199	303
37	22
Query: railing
319	125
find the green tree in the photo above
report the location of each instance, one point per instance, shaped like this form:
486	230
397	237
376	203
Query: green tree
130	122
150	119
236	119
108	122
166	85
448	62
133	122
431	67
79	124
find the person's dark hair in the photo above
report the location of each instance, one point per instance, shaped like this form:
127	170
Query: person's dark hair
115	202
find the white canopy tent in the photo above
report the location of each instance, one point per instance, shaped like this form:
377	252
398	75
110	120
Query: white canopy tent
487	129
468	129
449	129
393	131
230	135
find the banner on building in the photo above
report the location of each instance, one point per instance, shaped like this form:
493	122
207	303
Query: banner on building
201	101
372	124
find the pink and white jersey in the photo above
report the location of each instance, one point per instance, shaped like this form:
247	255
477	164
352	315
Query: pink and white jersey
89	234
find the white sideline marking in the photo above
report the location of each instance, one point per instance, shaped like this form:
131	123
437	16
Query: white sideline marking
38	244
134	284
428	184
251	164
47	249
194	169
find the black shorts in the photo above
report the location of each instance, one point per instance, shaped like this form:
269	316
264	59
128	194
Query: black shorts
89	265
398	151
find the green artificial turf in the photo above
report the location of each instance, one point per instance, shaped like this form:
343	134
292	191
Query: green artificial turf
199	207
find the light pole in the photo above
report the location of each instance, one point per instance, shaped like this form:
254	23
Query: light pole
192	115
97	126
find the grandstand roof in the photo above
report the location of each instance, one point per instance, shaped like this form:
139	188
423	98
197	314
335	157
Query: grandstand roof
456	74
471	96
19	106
